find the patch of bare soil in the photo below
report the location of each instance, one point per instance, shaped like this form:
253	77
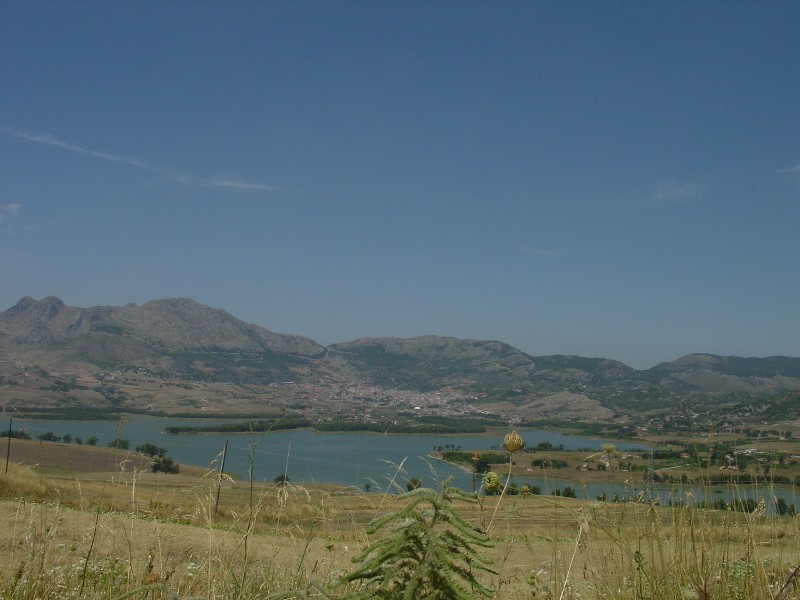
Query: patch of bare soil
68	458
563	405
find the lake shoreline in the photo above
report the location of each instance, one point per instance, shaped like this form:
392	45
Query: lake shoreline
356	458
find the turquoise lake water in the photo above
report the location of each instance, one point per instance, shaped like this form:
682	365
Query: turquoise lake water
354	459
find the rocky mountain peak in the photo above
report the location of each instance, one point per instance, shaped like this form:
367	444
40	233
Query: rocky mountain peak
175	324
35	310
29	319
47	307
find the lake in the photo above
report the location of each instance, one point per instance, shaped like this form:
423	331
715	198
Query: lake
354	459
306	456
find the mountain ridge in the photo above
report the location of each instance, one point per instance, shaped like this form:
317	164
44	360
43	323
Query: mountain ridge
176	323
184	344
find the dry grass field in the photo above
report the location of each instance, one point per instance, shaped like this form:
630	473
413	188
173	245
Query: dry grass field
97	524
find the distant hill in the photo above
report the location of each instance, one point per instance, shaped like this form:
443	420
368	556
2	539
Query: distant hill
732	373
430	362
490	369
177	355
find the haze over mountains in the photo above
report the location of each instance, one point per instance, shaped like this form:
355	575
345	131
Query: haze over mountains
177	355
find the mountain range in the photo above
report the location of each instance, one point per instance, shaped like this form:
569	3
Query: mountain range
178	356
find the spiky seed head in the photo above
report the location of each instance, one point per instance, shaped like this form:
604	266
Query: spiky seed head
491	482
512	442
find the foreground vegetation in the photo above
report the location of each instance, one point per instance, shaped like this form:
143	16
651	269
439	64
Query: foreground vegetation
131	533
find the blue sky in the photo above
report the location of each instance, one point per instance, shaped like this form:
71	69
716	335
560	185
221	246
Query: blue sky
613	179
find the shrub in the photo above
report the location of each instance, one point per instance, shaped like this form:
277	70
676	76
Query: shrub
15	433
164	464
413	484
151	449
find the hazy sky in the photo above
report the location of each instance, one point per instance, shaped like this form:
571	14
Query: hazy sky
615	179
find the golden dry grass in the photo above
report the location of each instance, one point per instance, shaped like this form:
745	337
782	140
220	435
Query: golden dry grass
102	533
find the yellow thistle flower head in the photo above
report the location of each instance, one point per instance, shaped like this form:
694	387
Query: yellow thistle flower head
512	442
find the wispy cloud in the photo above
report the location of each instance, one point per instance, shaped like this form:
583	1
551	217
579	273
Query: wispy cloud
541	252
50	140
794	169
171	174
9	211
238	184
677	191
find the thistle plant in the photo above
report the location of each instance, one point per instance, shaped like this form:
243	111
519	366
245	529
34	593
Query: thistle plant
428	552
476	461
511	443
491	482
